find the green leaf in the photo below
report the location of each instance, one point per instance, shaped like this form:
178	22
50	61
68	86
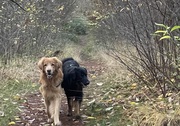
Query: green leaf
175	27
177	38
160	31
165	37
161	25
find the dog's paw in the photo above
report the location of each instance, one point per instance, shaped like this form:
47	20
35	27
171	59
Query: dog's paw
58	123
50	120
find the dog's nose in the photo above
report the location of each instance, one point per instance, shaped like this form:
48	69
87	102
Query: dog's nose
87	82
49	71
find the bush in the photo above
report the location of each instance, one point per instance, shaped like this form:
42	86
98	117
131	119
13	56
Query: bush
76	26
87	52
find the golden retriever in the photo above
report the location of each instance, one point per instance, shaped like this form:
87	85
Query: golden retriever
51	77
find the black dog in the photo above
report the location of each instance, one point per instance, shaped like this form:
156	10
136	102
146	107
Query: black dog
75	78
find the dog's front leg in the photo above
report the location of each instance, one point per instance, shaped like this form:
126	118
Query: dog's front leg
47	106
56	111
70	105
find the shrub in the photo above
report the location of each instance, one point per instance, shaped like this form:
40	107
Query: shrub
76	26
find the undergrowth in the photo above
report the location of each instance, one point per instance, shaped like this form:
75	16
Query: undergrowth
12	93
17	79
115	100
104	104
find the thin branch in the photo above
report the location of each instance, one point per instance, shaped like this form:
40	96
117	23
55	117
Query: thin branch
18	5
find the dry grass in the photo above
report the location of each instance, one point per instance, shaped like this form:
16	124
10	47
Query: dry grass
20	69
71	50
17	79
148	116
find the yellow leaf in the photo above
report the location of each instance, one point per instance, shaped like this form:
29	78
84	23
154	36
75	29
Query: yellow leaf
17	80
61	8
17	97
12	123
133	103
90	117
173	80
109	100
119	97
134	85
93	76
160	97
132	88
17	119
33	85
168	94
28	9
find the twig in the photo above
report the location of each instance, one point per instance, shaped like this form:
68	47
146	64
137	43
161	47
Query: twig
18	5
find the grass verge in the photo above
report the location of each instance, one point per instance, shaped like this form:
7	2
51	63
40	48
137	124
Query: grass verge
17	79
103	101
106	116
12	92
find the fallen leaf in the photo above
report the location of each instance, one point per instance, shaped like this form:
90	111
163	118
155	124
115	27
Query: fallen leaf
100	84
134	85
108	109
34	85
17	97
17	80
12	123
133	103
6	99
92	101
90	117
93	76
17	118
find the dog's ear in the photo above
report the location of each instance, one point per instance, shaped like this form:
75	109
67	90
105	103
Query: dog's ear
58	62
40	63
81	69
84	69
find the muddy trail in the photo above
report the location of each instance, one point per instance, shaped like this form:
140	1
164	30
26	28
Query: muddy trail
32	111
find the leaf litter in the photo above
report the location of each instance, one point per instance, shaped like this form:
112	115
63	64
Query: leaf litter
103	100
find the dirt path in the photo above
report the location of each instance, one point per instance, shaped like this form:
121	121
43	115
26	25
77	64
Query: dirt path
33	111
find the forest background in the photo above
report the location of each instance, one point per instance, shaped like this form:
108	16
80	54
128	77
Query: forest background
137	42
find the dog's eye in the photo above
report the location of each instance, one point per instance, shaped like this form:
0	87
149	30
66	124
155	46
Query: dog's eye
52	64
45	64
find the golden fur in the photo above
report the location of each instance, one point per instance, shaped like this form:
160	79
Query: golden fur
51	77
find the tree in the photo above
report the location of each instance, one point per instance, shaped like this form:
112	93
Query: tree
28	28
130	24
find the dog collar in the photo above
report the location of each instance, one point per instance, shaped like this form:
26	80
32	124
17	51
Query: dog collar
58	85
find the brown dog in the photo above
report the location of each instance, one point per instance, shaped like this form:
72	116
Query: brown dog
50	79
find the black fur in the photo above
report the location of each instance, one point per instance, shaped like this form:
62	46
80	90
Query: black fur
75	78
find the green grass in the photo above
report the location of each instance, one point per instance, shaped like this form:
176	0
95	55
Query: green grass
11	96
104	108
106	116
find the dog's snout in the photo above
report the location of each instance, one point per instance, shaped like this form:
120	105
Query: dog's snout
49	71
87	82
